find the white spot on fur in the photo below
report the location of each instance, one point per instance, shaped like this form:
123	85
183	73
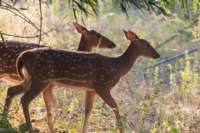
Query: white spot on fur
27	79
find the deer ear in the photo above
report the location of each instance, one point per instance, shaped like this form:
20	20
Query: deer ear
79	28
130	35
125	32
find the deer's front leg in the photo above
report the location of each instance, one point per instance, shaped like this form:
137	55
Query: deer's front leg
104	93
89	100
50	101
26	99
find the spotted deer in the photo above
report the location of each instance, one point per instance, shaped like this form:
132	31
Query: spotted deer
9	52
94	73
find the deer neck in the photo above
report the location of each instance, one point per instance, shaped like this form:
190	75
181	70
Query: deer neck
127	60
83	45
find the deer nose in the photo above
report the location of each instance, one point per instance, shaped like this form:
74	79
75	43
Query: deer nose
112	46
157	56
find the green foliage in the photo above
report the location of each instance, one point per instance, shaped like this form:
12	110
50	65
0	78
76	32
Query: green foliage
190	80
5	126
23	128
88	7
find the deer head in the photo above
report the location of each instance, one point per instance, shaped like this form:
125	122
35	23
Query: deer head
95	39
142	46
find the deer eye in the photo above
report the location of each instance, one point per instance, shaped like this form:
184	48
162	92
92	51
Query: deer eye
98	35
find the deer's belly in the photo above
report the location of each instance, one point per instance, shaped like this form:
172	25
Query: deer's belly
77	85
10	77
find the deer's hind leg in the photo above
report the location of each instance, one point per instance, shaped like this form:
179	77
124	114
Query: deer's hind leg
11	93
26	99
50	101
104	93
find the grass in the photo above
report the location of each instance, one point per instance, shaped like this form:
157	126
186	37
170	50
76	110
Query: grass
152	108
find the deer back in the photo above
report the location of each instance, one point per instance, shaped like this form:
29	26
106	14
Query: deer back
46	64
9	53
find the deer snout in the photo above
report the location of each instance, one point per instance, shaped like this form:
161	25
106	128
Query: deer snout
156	56
112	46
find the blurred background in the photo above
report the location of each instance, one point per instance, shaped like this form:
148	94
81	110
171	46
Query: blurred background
160	95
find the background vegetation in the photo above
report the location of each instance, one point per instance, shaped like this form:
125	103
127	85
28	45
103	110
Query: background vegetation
156	96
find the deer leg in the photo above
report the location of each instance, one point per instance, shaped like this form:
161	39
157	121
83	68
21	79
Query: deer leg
108	99
50	101
26	99
88	107
11	93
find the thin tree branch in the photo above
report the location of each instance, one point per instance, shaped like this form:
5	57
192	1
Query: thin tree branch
177	56
41	18
195	21
13	10
2	38
16	12
19	36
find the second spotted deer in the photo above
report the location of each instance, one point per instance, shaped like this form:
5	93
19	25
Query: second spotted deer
89	39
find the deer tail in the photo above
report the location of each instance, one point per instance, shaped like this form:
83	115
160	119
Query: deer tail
22	64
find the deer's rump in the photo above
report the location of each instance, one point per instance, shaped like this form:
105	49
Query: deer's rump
60	65
9	51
